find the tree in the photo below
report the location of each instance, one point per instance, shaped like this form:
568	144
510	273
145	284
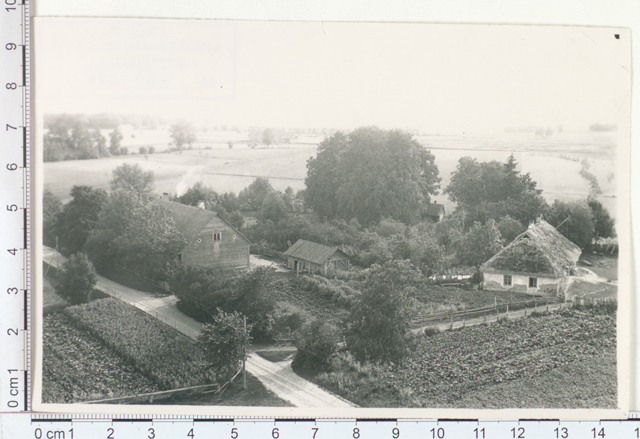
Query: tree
509	228
492	190
199	193
225	342
143	150
479	244
273	208
69	138
254	296
182	134
115	139
574	220
380	322
51	208
369	174
79	217
268	137
133	179
317	342
78	278
254	195
603	224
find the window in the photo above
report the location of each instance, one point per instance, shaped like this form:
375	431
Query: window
533	282
217	236
507	280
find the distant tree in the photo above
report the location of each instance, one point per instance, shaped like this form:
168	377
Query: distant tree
254	195
143	150
603	224
317	342
268	137
199	193
133	179
479	244
69	138
509	228
230	143
51	209
182	134
574	220
491	190
225	342
79	217
235	219
152	149
273	208
99	143
77	280
288	197
370	174
380	321
229	202
115	141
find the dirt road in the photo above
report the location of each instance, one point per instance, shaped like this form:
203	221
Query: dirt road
277	377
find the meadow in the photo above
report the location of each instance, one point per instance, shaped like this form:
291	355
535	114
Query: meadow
554	162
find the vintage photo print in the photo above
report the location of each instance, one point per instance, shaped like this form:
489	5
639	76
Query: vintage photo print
331	219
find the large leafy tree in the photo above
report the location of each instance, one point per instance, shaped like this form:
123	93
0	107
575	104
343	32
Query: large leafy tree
369	174
479	244
380	322
603	224
77	279
254	296
574	220
133	180
225	342
254	195
51	208
79	217
492	190
317	342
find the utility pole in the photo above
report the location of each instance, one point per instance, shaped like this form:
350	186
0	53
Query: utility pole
244	357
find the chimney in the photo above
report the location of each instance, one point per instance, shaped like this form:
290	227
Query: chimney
201	205
165	196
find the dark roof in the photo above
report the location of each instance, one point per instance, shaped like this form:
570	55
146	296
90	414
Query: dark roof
190	220
541	249
435	209
312	251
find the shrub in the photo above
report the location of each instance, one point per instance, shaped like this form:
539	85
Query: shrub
77	279
317	342
336	290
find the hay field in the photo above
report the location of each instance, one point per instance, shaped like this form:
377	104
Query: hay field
554	162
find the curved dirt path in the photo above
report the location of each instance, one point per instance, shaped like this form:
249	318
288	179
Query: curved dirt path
277	377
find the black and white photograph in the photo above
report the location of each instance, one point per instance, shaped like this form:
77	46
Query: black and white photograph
346	217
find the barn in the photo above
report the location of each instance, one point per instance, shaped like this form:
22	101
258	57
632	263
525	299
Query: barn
211	240
315	258
538	261
435	212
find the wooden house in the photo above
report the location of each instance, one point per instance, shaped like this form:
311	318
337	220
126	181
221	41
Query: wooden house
311	257
211	240
538	261
435	212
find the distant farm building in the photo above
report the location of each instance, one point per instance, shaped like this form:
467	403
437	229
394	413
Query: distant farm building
435	212
311	257
211	240
539	261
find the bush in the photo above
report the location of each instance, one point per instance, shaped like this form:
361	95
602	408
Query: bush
77	279
317	342
336	290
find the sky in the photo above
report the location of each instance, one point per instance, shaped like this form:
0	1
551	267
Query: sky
435	78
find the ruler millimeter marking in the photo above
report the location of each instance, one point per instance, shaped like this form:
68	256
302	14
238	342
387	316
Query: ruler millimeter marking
15	233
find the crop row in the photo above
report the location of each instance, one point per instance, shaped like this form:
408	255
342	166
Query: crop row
159	352
77	367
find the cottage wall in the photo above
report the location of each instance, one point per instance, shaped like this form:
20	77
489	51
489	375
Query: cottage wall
231	251
520	283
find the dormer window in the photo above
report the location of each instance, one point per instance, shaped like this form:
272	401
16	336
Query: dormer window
217	236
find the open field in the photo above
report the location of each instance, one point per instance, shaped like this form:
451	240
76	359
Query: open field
558	360
554	162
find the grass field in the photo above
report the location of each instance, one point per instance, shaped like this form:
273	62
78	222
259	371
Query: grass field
561	360
553	162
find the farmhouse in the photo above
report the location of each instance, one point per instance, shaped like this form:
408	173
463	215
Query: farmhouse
435	212
539	261
315	258
211	240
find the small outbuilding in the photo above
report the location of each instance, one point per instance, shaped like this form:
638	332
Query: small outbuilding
311	257
538	261
435	212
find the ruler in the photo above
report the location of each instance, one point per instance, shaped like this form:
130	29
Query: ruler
15	199
184	427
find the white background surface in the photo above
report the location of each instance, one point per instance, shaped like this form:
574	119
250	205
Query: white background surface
620	13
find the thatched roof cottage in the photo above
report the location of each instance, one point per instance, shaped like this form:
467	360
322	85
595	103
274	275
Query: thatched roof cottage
538	261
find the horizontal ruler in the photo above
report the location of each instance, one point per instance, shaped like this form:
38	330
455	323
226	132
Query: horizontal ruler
22	425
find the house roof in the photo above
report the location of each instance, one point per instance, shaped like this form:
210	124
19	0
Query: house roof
541	249
435	209
312	251
190	220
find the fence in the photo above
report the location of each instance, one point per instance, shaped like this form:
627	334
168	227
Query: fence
143	398
485	311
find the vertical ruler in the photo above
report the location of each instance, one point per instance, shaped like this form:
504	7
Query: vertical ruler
15	209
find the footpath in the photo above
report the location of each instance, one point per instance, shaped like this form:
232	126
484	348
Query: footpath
277	377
